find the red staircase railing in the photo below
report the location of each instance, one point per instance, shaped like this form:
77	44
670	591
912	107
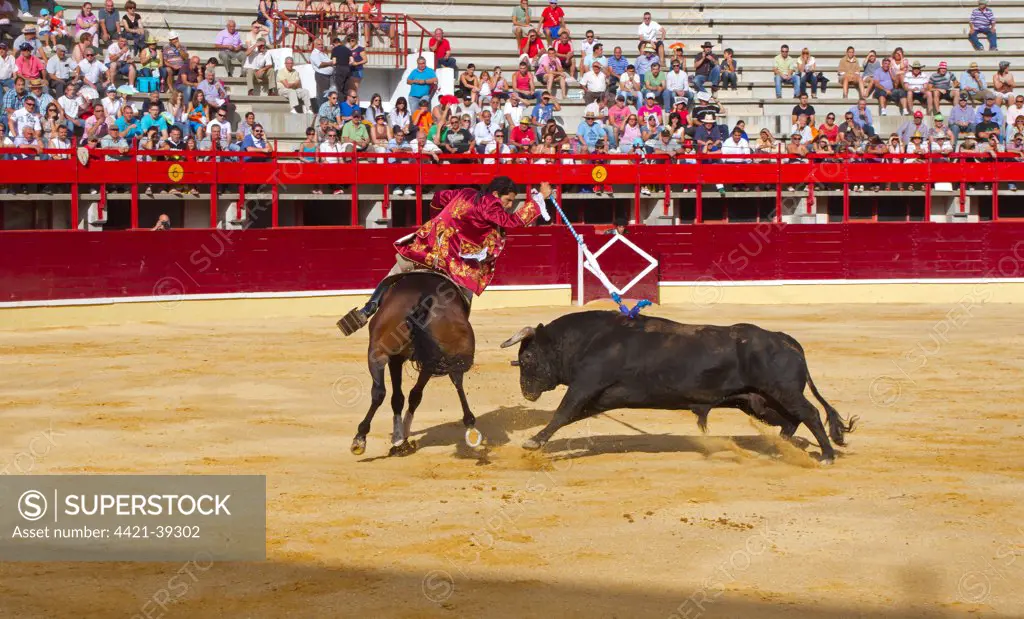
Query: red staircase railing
392	29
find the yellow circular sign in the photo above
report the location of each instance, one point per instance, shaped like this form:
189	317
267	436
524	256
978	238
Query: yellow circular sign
599	174
175	172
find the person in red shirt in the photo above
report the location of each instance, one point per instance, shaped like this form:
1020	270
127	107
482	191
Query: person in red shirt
442	51
531	49
523	137
563	49
553	20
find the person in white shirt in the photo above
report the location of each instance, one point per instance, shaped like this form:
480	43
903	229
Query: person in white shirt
736	145
801	127
677	82
594	83
60	69
483	133
587	49
323	69
220	118
72	104
121	60
651	32
7	66
92	72
60	141
1015	110
513	110
26	116
331	146
112	102
259	69
497	146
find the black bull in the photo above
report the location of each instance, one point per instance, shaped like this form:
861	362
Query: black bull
609	361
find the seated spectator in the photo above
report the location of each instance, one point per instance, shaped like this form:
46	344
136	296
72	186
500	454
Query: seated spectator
973	83
555	132
630	85
155	119
259	70
497	147
915	125
531	49
651	108
92	72
564	53
940	128
651	34
175	58
552	20
350	106
736	145
163	222
597	55
729	69
29	34
483	131
545	109
988	127
871	64
807	67
98	125
940	144
829	128
651	127
255	142
962	118
127	124
982	22
60	69
916	85
804	108
121	60
942	86
329	152
28	64
87	21
594	83
43	99
786	71
215	93
1015	111
469	83
151	63
898	67
522	20
1003	83
230	50
115	141
442	49
330	110
354	134
990	104
290	85
523	136
884	89
131	25
849	72
112	102
705	105
380	134
655	84
422	119
589	132
803	129
644	61
586	50
7	13
26	117
766	145
550	71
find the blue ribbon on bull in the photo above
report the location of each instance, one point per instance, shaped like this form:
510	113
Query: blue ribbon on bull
627	311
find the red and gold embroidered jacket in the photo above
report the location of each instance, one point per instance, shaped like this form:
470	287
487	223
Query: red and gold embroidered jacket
467	223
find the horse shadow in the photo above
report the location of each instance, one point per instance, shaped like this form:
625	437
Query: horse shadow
495	425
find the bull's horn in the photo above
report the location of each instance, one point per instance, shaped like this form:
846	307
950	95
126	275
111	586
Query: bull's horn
524	333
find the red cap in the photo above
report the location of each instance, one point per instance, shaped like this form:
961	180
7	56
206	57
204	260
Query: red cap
943	65
918	114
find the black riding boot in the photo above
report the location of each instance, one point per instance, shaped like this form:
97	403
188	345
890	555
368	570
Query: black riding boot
356	318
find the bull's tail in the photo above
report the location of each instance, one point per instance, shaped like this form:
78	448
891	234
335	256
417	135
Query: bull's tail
837	425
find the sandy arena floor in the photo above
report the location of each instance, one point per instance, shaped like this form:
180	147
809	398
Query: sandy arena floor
634	514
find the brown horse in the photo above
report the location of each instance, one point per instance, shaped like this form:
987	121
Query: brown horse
423	318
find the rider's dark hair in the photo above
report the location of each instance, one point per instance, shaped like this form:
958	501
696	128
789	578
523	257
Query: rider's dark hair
500	184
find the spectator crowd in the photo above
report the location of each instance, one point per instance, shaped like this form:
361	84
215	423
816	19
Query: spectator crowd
103	79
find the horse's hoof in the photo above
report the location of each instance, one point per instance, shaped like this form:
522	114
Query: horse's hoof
827	461
404	449
532	445
474	438
358	447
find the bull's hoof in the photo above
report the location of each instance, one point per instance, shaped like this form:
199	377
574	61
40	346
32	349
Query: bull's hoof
474	438
405	449
358	447
532	444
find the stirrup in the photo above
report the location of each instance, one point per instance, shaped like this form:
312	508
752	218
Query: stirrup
352	321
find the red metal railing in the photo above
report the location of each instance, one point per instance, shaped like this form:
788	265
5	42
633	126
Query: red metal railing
391	28
221	174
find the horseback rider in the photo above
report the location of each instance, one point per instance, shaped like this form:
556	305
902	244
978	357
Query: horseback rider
462	241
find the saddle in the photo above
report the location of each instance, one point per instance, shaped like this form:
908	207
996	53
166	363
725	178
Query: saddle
467	301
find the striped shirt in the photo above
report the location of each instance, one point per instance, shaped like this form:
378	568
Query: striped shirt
983	19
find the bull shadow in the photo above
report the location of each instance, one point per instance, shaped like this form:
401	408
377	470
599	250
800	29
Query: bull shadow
707	446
